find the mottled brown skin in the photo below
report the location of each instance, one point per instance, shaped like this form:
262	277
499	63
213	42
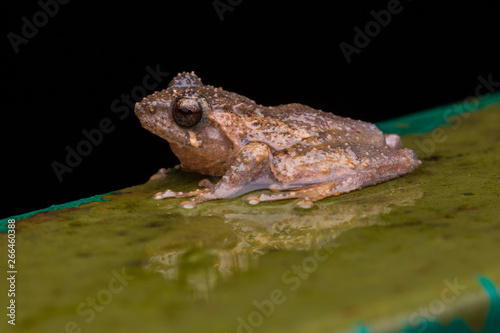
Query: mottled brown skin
314	154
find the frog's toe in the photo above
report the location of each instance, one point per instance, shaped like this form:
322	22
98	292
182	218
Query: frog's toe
305	203
160	174
198	196
166	194
188	204
173	194
276	188
253	199
206	183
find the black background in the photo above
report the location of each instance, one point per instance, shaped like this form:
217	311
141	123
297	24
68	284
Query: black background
66	77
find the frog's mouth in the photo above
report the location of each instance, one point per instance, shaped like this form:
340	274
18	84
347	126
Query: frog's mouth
142	114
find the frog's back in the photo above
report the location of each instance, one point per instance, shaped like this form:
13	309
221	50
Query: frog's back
327	126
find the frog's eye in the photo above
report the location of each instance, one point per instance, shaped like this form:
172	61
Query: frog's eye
187	112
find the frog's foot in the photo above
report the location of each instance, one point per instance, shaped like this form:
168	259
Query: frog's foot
308	194
197	196
162	173
307	198
254	199
202	196
173	194
206	183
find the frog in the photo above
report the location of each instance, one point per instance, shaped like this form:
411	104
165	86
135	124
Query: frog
288	151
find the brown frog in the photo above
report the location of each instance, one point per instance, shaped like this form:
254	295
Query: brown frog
293	150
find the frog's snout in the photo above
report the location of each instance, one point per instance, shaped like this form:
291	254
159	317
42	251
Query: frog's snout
143	109
138	109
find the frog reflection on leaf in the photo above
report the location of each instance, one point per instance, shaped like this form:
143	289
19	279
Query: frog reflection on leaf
217	241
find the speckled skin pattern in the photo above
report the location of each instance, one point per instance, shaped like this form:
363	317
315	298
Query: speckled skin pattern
311	153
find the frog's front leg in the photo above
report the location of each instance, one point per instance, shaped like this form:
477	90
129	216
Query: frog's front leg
246	165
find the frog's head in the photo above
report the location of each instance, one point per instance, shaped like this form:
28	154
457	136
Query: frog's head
182	115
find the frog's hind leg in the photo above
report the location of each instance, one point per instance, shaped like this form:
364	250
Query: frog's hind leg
353	181
311	193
